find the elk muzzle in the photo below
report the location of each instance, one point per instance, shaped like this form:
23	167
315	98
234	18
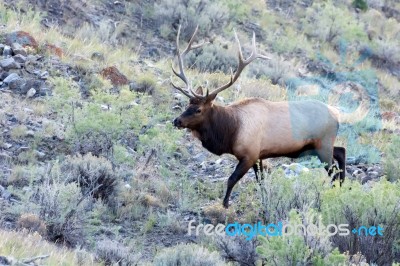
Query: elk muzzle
177	122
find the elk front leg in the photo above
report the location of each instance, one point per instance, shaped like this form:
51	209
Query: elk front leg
241	169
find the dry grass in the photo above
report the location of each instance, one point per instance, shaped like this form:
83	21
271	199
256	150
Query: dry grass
21	246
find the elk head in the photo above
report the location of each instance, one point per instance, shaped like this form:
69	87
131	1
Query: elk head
200	105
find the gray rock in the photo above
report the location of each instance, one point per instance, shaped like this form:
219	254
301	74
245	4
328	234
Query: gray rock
373	175
7	145
18	49
19	58
7	51
350	160
30	133
97	56
200	157
11	78
44	75
40	154
9	63
31	92
16	84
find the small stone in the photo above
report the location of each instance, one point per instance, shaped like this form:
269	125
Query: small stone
373	175
350	160
44	75
19	58
9	63
97	56
30	133
200	157
31	92
7	145
7	51
40	154
11	78
18	49
218	162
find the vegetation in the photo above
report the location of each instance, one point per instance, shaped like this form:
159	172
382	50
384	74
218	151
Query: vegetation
93	172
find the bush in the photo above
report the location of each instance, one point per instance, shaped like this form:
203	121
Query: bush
368	205
62	208
189	254
112	252
94	175
391	161
298	250
238	249
361	4
322	21
211	15
32	223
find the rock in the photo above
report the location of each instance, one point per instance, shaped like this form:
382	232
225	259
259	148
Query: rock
3	75
1	48
40	154
11	78
18	49
7	51
200	157
44	75
31	93
373	175
218	162
97	56
21	37
7	145
16	84
19	58
294	169
30	133
9	63
350	160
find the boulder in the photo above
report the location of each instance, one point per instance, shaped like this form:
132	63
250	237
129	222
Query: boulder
9	63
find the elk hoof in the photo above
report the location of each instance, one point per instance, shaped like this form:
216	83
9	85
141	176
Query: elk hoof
226	204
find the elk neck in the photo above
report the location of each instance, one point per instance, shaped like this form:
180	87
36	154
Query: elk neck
218	134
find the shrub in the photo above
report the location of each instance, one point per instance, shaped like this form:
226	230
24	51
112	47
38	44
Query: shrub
368	205
94	175
189	254
211	15
112	252
32	223
212	58
238	249
322	21
361	4
298	250
392	160
62	207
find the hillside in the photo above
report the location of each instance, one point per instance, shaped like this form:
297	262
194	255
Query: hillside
92	170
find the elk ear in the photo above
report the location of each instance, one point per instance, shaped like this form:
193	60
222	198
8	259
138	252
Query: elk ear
199	90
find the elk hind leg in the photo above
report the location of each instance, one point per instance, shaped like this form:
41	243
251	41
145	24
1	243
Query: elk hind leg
339	154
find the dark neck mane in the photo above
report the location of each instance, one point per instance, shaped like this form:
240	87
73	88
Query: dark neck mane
219	133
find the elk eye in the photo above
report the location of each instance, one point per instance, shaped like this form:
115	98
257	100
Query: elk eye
198	111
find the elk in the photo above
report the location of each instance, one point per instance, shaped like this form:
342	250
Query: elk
254	128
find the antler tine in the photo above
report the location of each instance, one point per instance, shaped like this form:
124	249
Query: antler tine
181	73
180	89
241	65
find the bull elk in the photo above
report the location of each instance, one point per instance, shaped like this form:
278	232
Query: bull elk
255	129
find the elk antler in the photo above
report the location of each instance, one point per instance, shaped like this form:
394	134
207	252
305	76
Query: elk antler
242	64
181	73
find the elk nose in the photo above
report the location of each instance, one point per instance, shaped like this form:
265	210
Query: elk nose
177	122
